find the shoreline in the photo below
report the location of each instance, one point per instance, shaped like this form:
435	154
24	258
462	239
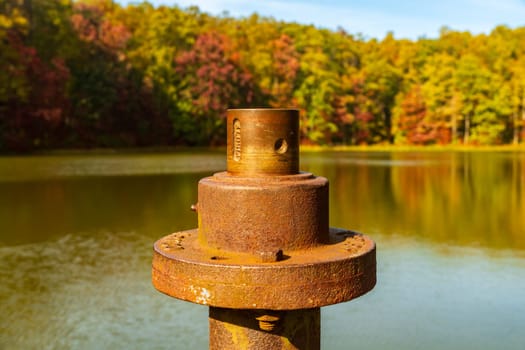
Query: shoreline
412	148
303	148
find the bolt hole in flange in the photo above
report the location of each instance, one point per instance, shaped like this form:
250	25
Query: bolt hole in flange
280	146
218	258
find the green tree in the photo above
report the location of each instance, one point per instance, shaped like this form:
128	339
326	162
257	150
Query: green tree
211	82
376	85
442	97
517	100
13	26
482	101
317	83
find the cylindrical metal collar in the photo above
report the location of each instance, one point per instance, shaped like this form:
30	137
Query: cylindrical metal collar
263	141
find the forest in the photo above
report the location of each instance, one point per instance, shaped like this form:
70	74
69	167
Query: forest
95	74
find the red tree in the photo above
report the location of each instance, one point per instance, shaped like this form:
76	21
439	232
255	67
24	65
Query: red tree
414	124
33	120
213	80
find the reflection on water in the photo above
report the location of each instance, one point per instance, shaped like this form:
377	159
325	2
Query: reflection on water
89	291
468	199
38	210
109	164
75	249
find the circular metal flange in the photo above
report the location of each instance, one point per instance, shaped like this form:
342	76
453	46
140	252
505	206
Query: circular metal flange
339	271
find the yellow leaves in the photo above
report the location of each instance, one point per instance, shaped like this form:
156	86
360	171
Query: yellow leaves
14	20
5	22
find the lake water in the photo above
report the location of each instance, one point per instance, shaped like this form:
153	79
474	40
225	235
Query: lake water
76	235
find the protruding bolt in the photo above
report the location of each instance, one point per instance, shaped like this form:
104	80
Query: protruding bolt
267	322
271	256
194	207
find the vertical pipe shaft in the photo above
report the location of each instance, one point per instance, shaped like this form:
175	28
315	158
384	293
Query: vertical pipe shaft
234	329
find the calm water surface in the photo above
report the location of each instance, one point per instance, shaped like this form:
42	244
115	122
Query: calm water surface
76	233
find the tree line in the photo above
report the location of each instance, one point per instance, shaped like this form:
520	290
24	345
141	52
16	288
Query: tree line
98	74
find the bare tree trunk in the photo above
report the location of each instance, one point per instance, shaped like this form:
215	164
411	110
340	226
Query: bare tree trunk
467	130
454	121
28	8
515	128
454	128
521	129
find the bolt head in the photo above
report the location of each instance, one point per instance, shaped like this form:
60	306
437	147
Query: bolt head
271	256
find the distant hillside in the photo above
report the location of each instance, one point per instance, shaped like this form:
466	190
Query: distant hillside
96	74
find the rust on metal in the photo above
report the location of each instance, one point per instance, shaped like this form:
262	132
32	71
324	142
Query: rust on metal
307	278
263	256
263	141
246	214
286	330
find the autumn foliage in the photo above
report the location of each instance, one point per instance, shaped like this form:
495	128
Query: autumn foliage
93	73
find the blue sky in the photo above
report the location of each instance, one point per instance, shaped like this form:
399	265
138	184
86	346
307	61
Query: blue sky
374	18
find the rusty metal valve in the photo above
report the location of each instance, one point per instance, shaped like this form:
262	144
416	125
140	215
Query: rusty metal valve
263	256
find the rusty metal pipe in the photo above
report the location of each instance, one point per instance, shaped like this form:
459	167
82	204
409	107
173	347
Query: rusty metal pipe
263	256
264	329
